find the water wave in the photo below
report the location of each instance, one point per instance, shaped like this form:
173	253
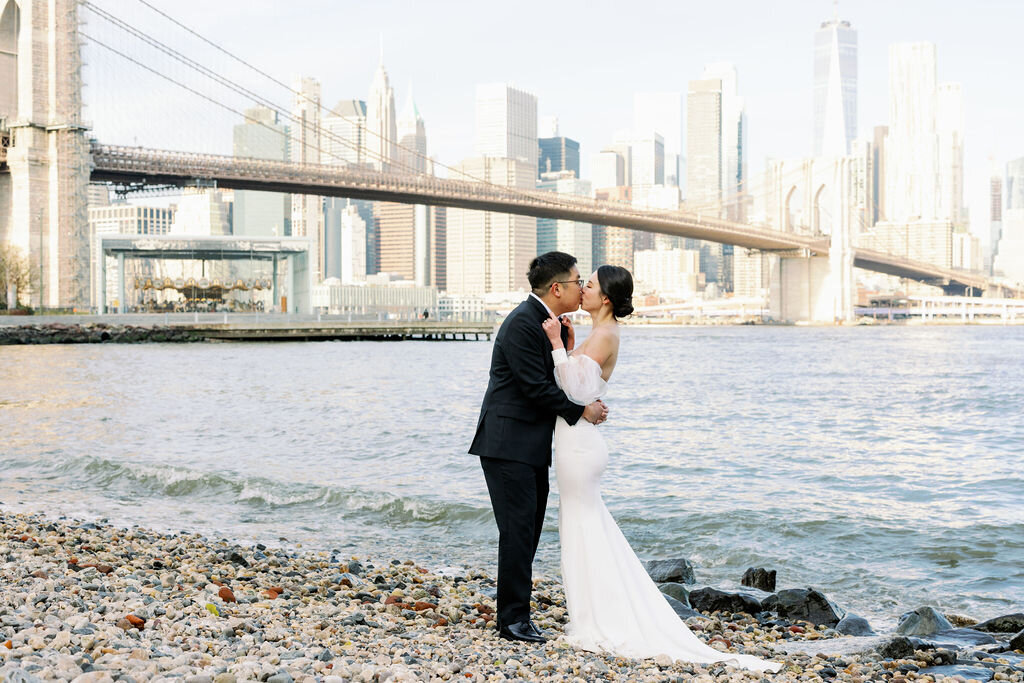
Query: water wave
148	481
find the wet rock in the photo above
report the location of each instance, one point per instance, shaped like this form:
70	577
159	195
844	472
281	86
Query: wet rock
760	578
678	570
1017	642
1008	623
806	604
924	621
897	648
975	673
852	625
677	591
683	611
713	600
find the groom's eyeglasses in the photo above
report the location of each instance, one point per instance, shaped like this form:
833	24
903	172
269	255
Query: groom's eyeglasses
579	283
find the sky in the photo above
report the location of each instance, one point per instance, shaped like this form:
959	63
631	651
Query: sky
583	61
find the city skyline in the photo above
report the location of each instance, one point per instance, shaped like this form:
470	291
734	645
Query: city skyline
778	87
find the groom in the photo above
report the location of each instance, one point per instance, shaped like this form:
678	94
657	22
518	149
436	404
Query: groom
513	434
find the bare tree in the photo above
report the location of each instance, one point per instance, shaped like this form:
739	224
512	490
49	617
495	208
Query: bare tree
15	275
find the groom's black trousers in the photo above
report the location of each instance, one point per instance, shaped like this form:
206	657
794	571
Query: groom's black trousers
516	488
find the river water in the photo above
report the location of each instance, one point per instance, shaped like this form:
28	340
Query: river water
880	465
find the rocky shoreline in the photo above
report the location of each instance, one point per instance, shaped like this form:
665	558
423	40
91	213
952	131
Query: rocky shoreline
94	333
88	602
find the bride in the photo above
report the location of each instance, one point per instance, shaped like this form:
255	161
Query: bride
613	604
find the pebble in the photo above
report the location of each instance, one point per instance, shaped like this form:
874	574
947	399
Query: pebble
91	603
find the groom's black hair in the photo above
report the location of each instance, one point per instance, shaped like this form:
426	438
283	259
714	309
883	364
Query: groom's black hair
547	268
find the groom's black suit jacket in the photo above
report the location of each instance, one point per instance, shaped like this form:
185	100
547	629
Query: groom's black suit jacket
522	400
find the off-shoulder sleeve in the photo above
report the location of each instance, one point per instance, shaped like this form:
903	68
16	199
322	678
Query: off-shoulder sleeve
579	377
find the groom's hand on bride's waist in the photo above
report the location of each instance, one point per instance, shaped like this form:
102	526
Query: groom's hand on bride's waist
596	412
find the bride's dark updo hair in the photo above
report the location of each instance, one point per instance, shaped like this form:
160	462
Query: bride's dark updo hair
617	284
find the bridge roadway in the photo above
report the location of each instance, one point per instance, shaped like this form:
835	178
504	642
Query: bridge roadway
137	166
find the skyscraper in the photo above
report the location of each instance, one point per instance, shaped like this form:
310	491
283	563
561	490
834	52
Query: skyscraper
949	125
835	88
488	251
662	113
734	133
912	165
345	139
558	154
1009	259
261	214
304	147
381	122
704	167
573	237
412	139
506	123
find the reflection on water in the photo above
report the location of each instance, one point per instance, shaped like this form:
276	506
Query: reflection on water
879	464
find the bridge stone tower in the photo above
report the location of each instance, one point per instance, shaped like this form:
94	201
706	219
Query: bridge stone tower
44	182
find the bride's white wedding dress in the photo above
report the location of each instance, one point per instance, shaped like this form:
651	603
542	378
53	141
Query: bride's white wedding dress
613	604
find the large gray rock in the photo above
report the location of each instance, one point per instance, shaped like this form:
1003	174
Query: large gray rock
1008	623
714	600
677	591
760	578
681	610
671	571
924	621
1017	642
959	638
899	647
806	604
852	625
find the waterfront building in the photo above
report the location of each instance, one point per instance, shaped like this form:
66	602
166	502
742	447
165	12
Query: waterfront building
261	214
506	123
488	251
120	219
381	122
412	139
835	88
401	299
662	113
558	154
345	134
572	237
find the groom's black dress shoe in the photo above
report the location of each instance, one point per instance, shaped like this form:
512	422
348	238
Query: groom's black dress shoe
537	631
521	631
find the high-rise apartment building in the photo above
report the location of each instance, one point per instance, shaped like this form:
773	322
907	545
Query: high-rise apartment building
506	123
607	169
344	136
261	214
835	88
572	237
412	140
488	251
648	155
305	146
381	122
558	154
407	237
662	113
